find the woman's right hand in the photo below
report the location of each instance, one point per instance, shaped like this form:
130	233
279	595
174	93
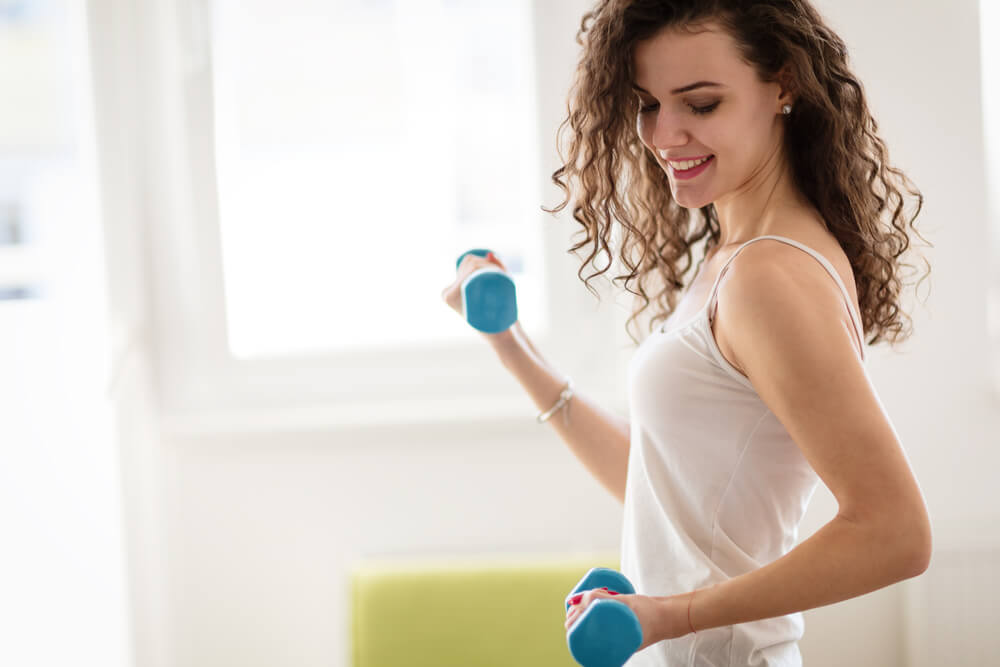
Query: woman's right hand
452	294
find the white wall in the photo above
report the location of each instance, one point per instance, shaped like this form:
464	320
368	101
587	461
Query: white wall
63	548
260	526
135	426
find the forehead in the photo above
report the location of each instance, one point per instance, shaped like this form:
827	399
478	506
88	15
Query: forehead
672	58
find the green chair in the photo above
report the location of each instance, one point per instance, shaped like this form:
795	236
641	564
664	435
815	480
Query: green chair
464	612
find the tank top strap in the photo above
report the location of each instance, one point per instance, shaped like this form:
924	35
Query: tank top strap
855	319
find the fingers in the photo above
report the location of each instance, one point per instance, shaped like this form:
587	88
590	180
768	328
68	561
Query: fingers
496	259
572	613
452	294
579	602
471	262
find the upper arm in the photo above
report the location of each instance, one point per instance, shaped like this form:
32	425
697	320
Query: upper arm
783	319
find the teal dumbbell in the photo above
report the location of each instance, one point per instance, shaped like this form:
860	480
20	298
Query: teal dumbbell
488	297
608	632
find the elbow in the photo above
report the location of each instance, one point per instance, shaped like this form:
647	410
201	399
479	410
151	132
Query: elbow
919	556
909	542
919	547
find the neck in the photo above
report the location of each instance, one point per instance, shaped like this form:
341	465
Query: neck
761	205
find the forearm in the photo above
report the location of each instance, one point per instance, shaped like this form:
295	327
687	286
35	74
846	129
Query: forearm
598	438
842	560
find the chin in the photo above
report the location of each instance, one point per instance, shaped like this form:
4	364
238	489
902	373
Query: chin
685	200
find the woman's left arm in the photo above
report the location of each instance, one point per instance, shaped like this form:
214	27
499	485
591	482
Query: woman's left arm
777	315
842	560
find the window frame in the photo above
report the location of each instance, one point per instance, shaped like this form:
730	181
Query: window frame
202	387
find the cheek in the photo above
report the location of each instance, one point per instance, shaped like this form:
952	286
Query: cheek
756	129
723	139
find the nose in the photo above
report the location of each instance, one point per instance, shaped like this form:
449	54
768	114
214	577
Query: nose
669	131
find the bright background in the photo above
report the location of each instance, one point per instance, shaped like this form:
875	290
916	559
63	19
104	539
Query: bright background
226	372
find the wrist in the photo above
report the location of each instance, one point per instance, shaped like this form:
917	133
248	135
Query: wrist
506	343
673	617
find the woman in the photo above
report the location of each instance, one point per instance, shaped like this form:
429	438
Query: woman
740	124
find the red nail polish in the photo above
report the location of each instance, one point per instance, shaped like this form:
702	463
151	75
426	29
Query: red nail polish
576	599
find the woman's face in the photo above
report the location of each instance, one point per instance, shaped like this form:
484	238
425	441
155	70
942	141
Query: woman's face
738	121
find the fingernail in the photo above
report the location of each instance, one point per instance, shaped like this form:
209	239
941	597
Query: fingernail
576	598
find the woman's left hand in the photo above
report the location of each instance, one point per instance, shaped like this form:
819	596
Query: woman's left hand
659	617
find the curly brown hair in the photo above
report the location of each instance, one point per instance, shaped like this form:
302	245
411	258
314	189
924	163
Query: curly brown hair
839	162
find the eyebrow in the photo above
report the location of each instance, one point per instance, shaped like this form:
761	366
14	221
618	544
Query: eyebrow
684	89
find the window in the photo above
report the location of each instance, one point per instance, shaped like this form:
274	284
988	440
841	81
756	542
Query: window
358	144
38	153
312	174
63	572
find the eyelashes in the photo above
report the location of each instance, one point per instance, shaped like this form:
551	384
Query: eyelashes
694	109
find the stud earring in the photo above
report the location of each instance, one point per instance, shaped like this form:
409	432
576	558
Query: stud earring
787	109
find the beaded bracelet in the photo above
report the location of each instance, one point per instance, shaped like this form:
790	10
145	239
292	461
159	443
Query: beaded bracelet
564	396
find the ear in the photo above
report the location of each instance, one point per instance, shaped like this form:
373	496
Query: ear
786	82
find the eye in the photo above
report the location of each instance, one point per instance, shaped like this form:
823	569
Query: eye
695	110
702	110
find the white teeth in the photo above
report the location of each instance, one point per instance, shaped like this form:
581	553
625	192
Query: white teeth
687	164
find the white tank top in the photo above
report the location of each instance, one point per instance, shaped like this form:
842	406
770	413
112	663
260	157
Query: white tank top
716	487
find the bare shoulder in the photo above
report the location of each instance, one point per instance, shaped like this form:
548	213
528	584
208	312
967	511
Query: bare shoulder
788	281
780	310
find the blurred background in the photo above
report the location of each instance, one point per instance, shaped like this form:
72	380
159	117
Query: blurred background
227	374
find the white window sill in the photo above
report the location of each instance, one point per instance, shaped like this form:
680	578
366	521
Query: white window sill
504	412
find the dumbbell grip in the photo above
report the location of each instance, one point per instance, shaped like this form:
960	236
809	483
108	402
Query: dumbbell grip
489	299
608	632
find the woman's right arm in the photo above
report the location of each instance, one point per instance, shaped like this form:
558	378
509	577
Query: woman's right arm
598	438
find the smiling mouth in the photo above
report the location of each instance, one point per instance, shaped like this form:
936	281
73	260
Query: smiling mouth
692	172
699	163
